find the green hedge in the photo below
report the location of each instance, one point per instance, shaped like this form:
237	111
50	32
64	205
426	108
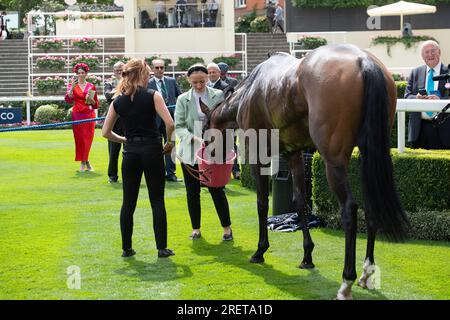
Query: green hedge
247	180
423	183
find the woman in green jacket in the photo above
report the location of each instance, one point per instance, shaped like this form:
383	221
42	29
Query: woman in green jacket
189	120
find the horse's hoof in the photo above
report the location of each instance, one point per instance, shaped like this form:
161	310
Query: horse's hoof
305	265
362	283
257	259
343	297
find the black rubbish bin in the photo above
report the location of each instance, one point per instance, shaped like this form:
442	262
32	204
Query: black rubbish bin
282	189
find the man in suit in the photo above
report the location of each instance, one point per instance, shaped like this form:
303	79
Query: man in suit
170	91
114	147
214	77
232	82
421	131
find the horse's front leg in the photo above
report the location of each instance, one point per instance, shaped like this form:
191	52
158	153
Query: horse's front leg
262	189
297	167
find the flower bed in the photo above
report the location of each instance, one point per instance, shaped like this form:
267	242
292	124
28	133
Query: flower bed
51	63
47	44
91	61
86	44
95	80
49	84
111	61
312	42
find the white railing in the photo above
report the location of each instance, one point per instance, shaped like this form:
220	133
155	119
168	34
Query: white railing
414	105
28	101
68	54
403	106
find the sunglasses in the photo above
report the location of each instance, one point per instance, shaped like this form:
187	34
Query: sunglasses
159	68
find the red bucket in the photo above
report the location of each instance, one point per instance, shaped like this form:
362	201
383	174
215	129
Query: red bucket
214	174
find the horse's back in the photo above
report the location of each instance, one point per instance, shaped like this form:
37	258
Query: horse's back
265	90
333	86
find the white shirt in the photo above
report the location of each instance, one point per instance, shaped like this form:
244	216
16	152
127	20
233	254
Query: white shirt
204	96
158	84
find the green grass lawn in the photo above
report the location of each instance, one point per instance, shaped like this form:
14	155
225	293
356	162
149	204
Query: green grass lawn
52	217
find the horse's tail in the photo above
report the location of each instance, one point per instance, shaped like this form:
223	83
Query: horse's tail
382	206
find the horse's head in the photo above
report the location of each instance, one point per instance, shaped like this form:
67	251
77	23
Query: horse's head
221	117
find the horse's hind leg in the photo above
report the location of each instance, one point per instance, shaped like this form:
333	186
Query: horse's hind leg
369	261
338	181
298	177
262	189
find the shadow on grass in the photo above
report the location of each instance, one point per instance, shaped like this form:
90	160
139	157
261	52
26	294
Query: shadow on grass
234	193
305	284
380	238
163	269
86	175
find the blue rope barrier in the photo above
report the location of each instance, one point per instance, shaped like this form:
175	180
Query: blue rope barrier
59	124
50	125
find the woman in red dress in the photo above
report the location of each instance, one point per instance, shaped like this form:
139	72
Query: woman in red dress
84	96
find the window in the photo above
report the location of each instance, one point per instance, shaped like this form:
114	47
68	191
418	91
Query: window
240	3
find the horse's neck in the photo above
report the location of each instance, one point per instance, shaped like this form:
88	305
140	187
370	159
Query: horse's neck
227	113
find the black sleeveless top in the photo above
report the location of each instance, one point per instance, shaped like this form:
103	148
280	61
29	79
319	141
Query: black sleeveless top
138	116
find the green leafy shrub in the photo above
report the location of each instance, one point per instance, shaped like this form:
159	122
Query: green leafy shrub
166	60
49	113
408	42
230	61
184	63
423	183
312	42
243	22
401	88
259	24
49	84
246	177
183	83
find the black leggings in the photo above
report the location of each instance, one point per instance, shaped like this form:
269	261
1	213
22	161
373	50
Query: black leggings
193	200
147	158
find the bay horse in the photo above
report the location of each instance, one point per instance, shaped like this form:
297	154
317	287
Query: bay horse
334	99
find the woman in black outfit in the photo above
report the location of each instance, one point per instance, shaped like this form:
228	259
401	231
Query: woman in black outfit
137	107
